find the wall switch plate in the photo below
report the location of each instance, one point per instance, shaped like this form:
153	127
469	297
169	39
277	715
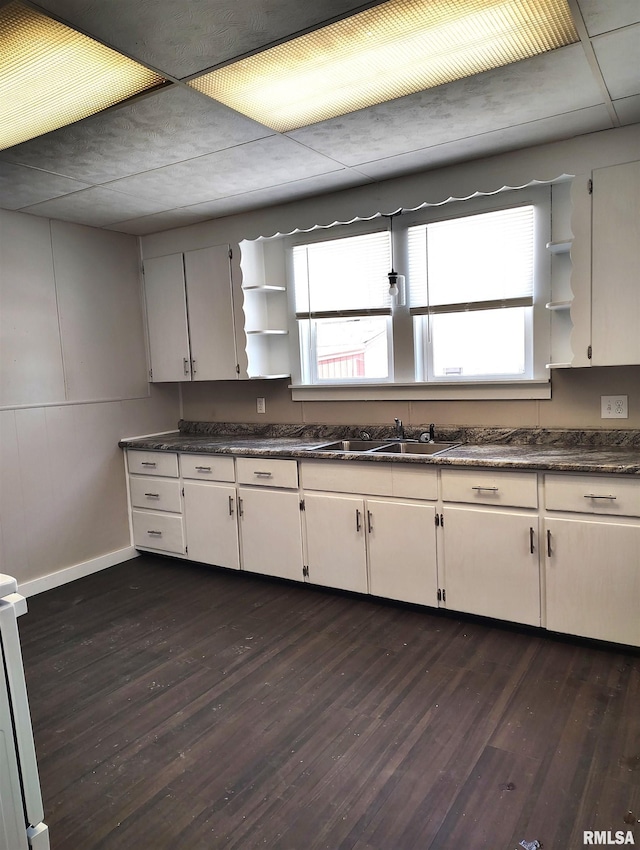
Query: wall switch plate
261	405
614	407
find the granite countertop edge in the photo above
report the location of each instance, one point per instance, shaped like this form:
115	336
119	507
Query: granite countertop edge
591	451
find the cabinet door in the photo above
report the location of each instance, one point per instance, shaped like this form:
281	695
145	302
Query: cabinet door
210	523
615	311
271	532
336	551
211	319
489	566
593	579
402	551
167	318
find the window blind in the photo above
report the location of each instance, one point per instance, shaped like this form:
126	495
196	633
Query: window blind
475	262
343	276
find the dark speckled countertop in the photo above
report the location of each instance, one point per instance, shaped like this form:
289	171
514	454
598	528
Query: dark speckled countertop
536	449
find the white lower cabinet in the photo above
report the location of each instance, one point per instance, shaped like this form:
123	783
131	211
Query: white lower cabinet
593	579
270	531
210	523
335	534
491	563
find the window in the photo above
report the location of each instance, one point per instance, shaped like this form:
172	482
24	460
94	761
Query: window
343	308
472	310
472	278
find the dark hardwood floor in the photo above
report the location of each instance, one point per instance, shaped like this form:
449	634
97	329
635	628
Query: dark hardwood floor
177	706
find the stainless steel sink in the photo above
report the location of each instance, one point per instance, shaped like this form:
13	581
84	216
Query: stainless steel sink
351	446
416	448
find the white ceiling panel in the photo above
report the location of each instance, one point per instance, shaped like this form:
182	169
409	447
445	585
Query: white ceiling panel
496	100
602	16
21	187
628	109
96	206
618	55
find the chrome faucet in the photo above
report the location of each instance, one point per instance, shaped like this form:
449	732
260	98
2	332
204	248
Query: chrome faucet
399	429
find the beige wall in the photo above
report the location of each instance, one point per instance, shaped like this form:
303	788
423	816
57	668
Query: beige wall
575	403
73	381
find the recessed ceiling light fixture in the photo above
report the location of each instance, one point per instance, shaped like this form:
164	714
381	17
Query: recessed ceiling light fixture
51	75
396	48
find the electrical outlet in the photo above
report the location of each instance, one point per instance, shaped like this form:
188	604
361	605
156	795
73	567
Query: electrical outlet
261	406
614	407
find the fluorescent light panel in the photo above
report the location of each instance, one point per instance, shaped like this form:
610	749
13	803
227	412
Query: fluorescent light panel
396	48
51	75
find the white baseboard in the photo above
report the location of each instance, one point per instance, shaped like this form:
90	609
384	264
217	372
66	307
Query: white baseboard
38	585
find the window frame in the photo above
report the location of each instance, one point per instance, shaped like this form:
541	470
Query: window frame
409	375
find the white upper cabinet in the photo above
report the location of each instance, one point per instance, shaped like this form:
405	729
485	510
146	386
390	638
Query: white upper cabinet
190	316
615	311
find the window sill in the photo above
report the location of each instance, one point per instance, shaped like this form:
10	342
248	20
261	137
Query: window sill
477	391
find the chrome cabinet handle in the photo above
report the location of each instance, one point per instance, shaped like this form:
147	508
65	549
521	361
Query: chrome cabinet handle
594	496
203	468
148	463
549	550
263	474
480	487
369	521
230	505
185	361
240	511
358	524
531	540
155	533
153	495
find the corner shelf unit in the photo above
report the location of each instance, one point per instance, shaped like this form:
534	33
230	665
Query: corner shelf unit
560	305
265	308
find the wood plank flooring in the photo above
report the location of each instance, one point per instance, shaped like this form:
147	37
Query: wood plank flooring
177	706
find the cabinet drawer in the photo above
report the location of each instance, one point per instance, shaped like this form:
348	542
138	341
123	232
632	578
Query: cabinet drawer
159	494
155	530
153	463
267	472
488	487
592	494
207	467
371	479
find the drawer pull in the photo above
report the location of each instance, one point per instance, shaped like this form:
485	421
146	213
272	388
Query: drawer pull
358	525
155	533
148	463
480	487
532	547
263	474
153	495
203	468
230	505
595	496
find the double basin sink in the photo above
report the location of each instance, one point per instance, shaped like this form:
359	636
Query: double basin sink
385	446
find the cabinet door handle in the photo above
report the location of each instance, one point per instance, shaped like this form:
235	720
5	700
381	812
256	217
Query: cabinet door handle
185	362
549	550
369	521
155	533
203	468
230	505
153	495
594	496
147	463
358	525
240	511
532	547
480	487
263	474
193	366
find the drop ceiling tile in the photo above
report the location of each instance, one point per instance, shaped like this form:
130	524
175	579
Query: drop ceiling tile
546	130
165	127
97	207
21	187
256	165
628	109
604	15
521	93
184	38
618	57
158	222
